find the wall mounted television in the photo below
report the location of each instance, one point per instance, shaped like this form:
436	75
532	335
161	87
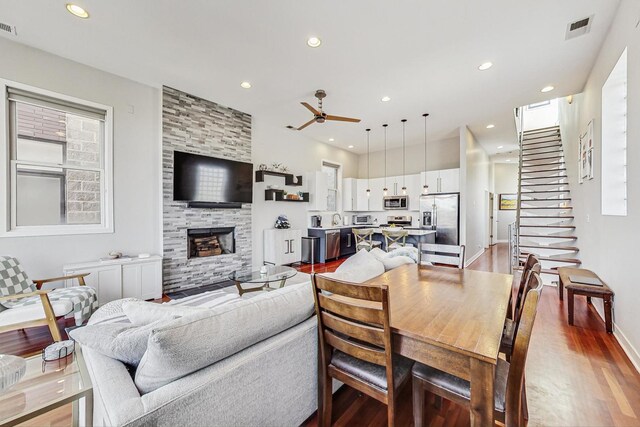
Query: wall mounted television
205	181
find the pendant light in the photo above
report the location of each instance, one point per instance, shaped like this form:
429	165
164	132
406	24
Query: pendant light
385	190
404	187
425	187
368	157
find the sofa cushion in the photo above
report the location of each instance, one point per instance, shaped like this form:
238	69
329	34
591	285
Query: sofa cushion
358	268
124	342
143	312
395	262
199	340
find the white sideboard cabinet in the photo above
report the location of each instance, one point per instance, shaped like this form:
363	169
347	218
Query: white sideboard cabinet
121	278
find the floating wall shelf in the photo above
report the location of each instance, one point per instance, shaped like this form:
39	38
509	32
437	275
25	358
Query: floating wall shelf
278	196
288	178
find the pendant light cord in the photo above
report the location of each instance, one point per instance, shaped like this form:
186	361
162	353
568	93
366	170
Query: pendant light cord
425	115
404	156
385	154
368	157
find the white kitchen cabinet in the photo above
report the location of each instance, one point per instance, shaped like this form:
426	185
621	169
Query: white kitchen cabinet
317	184
282	246
442	181
376	185
449	181
414	189
348	194
121	278
362	201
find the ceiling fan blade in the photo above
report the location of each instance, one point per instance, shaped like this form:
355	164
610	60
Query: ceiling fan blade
310	108
307	124
342	119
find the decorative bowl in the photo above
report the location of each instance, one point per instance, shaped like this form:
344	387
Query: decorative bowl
12	369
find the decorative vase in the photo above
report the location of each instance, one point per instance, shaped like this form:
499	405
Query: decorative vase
12	369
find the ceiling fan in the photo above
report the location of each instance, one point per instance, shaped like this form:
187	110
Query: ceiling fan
320	116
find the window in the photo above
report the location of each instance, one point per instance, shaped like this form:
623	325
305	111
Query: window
58	165
614	140
333	177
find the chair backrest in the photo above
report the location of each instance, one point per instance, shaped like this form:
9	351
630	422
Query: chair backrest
442	254
530	282
359	312
13	279
528	265
394	235
363	235
515	380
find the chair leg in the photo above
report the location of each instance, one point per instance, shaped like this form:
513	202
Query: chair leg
391	413
437	402
525	408
418	403
327	397
51	318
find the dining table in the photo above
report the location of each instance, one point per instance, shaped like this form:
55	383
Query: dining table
452	320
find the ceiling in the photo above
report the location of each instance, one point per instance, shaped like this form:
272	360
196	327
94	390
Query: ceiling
423	54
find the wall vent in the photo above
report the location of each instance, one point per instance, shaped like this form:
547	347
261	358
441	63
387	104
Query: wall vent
6	28
579	27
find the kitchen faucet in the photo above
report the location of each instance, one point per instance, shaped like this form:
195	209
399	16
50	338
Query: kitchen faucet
333	219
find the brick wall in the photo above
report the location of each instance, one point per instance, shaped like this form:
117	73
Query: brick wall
81	146
198	126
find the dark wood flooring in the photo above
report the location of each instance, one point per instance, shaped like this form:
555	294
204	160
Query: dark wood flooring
576	375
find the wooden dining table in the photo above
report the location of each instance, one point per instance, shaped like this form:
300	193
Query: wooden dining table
452	320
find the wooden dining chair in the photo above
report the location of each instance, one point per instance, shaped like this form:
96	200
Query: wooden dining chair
355	344
395	238
511	325
364	239
451	255
509	377
528	265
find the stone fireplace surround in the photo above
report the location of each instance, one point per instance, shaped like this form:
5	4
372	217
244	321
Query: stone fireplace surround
198	126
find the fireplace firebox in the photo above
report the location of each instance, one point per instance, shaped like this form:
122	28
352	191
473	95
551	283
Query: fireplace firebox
206	242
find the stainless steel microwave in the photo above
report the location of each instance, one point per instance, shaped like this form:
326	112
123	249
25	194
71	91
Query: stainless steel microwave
361	220
396	202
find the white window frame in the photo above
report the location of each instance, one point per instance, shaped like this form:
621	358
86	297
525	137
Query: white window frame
8	228
338	189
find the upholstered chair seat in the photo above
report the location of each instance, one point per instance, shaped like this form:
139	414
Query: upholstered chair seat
370	372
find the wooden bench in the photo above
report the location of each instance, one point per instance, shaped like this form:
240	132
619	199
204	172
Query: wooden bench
590	291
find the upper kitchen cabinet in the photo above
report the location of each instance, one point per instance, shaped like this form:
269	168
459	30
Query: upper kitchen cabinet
414	190
361	199
349	191
354	195
443	181
376	185
318	191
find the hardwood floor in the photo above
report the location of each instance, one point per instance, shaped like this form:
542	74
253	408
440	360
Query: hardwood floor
576	375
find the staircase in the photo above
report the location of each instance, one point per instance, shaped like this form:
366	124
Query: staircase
545	215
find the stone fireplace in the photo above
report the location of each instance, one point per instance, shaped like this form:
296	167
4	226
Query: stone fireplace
205	242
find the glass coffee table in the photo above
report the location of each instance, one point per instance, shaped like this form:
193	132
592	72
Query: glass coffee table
47	386
246	280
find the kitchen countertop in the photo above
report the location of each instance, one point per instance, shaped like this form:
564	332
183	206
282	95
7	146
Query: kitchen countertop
412	231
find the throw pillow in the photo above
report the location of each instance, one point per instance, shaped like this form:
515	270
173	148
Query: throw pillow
393	262
123	342
359	268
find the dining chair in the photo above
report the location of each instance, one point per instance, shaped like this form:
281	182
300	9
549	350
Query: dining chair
528	265
364	239
395	238
355	344
508	381
511	325
451	255
24	304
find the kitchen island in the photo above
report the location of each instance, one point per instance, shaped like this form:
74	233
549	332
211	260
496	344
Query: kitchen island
347	239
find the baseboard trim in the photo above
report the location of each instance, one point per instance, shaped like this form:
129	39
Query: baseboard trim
473	258
628	348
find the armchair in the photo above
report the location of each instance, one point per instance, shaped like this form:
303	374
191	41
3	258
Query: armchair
24	304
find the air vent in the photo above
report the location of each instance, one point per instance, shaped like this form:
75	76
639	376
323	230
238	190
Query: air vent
6	28
579	27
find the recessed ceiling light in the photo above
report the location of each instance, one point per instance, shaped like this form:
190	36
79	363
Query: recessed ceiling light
500	146
351	146
547	89
490	126
485	66
77	11
314	42
245	85
508	160
385	99
331	139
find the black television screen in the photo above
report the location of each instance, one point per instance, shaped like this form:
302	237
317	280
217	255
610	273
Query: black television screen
211	179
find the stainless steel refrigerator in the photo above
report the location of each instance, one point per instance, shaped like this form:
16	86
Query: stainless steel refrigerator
441	212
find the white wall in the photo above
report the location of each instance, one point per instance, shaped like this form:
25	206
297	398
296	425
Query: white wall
505	182
442	154
301	155
136	160
608	244
474	179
